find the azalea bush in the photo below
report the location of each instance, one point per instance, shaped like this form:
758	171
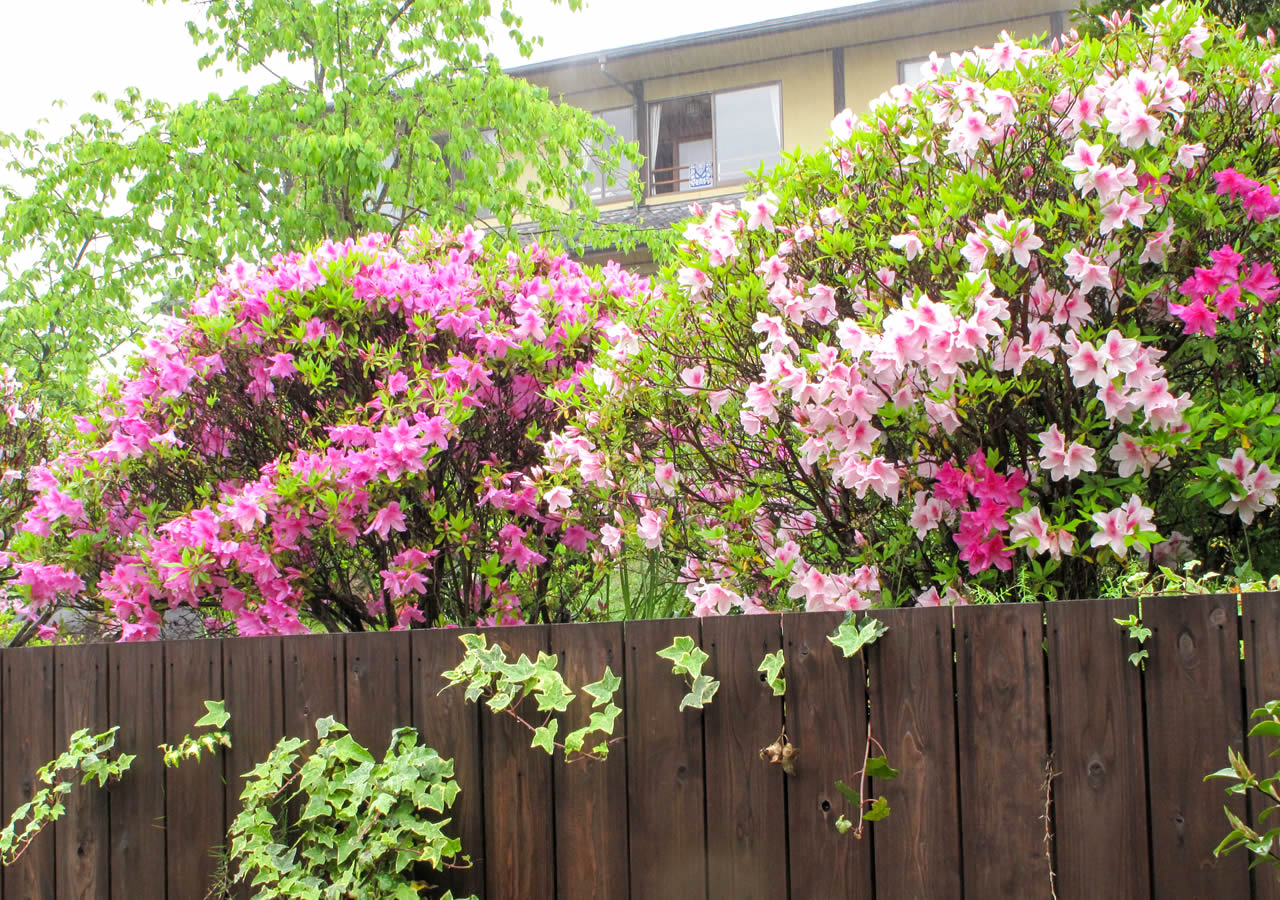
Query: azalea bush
343	439
1014	331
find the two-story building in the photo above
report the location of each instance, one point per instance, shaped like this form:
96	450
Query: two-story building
707	108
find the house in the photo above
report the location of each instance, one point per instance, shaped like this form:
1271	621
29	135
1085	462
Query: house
708	108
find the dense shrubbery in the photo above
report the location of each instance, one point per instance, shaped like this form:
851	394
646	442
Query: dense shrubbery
347	439
1015	329
1012	330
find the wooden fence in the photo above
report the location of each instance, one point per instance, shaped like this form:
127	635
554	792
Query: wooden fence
979	710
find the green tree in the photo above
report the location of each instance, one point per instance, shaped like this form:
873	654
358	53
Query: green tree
1256	15
404	116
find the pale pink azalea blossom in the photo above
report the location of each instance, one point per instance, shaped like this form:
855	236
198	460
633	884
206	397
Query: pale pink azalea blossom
1064	460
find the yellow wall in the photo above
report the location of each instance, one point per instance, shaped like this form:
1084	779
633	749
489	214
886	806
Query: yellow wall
871	69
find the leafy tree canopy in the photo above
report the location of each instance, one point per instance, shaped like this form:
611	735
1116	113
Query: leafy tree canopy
1256	15
403	116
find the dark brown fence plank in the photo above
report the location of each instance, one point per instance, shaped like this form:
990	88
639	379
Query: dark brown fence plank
746	807
1003	746
1193	713
378	687
451	725
253	685
1099	794
912	685
28	728
665	787
825	694
591	795
314	676
195	805
83	842
136	686
519	815
1261	623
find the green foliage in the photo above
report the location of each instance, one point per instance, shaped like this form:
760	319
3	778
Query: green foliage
86	755
1255	15
687	659
487	673
405	118
208	742
1266	793
852	636
771	666
339	824
1137	632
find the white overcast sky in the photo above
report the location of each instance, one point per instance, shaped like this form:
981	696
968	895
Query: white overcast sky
75	47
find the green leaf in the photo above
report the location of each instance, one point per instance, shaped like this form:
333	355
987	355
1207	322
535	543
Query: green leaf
851	636
853	798
544	736
704	687
771	666
878	767
216	717
602	691
879	810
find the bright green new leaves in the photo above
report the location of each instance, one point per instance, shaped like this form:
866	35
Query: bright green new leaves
771	666
851	636
88	755
403	117
363	823
687	659
1262	844
208	742
1139	633
487	673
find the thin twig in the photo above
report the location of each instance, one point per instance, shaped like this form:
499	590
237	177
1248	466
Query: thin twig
1049	775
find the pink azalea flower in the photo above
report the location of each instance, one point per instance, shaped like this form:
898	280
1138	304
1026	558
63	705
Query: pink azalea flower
1064	460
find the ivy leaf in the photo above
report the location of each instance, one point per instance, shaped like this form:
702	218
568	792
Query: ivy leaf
216	716
878	767
772	667
851	636
853	797
879	810
544	736
602	691
704	687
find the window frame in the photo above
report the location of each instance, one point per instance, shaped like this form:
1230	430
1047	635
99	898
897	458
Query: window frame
916	61
620	189
716	181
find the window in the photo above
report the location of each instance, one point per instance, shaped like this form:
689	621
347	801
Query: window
612	183
912	71
709	140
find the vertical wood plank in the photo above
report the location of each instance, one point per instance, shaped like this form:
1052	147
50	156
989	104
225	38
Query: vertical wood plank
83	842
195	805
253	685
314	676
447	722
746	806
1193	714
519	812
912	685
136	685
1261	623
28	727
826	721
1003	746
665	784
1099	794
378	687
591	795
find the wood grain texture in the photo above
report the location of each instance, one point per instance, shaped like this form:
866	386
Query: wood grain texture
314	682
665	782
1099	794
447	722
912	686
591	795
1261	633
746	803
29	729
1193	700
83	844
195	802
253	685
1003	747
379	695
519	811
825	704
136	688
